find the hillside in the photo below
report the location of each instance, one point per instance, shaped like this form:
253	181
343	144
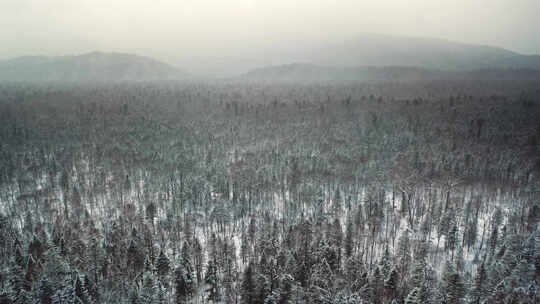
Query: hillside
95	66
372	50
209	193
314	73
384	50
308	73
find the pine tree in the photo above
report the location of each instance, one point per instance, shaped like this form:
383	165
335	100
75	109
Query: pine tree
161	294
511	253
426	226
45	291
478	288
391	284
417	273
148	293
445	223
248	285
184	282
385	264
198	258
135	258
133	295
328	253
91	289
471	233
305	260
453	287
4	298
273	298
76	202
262	287
403	253
493	240
36	249
337	204
14	275
413	297
244	248
375	285
359	220
321	276
353	272
336	239
285	289
151	212
451	239
521	275
65	295
81	292
429	289
349	243
211	279
252	230
55	270
162	265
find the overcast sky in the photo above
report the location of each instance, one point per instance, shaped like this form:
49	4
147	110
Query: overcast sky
177	30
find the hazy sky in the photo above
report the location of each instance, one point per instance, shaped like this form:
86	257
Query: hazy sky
177	30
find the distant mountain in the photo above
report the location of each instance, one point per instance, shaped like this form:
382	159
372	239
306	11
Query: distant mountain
95	66
313	73
380	50
405	56
308	72
384	50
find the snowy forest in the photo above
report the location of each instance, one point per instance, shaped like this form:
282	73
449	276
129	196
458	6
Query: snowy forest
258	192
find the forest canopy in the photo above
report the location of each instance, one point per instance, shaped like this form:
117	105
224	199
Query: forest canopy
235	192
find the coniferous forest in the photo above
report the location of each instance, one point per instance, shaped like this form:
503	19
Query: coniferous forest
254	192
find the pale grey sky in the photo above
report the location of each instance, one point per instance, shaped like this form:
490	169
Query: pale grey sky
178	30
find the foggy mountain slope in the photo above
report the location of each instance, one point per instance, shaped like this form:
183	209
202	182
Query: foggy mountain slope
384	50
95	66
381	50
401	57
313	73
308	72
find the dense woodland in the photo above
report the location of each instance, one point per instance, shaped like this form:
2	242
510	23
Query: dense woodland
228	192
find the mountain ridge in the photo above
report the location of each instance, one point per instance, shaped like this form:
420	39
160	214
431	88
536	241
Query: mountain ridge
373	50
92	66
298	72
386	50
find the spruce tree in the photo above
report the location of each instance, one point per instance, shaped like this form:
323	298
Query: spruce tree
385	264
349	235
148	293
91	289
45	291
211	280
478	288
428	288
403	254
413	297
248	291
285	289
451	239
391	284
184	282
162	265
81	292
453	287
65	295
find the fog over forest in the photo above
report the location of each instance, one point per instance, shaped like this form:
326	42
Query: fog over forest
269	152
224	37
